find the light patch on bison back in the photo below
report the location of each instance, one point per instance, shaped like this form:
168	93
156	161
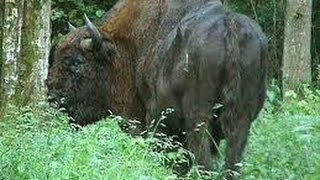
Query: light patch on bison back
186	67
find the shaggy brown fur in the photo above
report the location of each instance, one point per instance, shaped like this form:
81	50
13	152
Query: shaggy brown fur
213	56
184	54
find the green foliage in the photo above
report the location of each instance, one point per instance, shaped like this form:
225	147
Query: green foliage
284	144
73	11
37	143
306	102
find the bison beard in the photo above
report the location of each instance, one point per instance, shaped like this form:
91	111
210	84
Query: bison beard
189	56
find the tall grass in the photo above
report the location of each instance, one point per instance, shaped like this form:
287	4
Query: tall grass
37	143
285	144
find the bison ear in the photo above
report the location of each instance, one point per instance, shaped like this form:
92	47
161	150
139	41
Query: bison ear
87	44
177	41
104	54
179	34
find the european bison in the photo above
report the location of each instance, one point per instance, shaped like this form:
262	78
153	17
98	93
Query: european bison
151	55
85	79
213	56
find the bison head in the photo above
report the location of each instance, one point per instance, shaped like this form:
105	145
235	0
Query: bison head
79	77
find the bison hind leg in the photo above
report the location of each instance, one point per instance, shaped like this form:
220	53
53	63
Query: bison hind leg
198	139
236	127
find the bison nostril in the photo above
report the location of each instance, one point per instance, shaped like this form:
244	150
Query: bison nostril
51	99
56	99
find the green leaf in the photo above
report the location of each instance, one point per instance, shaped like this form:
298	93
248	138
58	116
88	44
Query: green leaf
100	13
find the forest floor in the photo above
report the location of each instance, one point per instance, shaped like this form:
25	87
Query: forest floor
36	142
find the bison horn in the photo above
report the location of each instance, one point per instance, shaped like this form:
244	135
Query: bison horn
71	27
94	32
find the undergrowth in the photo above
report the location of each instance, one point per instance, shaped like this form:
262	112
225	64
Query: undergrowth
36	142
285	140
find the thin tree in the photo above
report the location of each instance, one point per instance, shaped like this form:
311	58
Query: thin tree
25	49
1	53
297	44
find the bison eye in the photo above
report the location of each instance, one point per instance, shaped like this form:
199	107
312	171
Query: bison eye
77	65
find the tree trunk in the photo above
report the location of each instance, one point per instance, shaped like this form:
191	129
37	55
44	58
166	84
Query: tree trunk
297	44
1	55
25	44
316	42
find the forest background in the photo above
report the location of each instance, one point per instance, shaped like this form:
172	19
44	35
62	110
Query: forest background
37	143
270	15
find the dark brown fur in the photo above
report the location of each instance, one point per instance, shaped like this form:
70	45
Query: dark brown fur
213	56
188	55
